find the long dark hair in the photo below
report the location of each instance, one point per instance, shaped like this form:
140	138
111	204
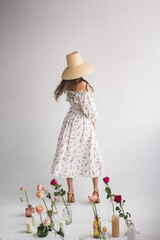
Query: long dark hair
70	85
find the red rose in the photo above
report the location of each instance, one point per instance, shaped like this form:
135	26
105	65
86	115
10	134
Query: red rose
118	198
106	179
53	182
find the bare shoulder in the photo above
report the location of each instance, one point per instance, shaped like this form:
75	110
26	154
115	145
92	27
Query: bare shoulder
82	86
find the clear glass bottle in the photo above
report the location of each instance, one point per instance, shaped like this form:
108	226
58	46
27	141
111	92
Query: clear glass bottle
131	232
67	214
110	209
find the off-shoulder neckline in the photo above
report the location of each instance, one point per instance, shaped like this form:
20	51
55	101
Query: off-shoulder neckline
81	91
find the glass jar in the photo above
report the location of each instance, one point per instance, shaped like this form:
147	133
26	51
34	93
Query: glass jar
131	232
127	224
67	215
29	211
96	227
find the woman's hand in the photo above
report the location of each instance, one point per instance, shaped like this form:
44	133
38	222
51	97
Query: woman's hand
93	125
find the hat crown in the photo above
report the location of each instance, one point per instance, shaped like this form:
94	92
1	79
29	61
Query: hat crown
74	59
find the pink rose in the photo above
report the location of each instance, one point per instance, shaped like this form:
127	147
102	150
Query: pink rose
39	187
93	198
117	198
40	194
47	222
106	179
40	208
53	182
44	188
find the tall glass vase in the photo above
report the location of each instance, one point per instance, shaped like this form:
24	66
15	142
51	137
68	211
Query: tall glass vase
110	209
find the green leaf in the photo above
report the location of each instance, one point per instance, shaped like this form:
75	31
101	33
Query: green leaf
108	196
108	190
121	214
129	214
125	216
124	201
56	193
117	208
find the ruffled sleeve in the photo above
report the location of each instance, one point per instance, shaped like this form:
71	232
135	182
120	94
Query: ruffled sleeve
87	103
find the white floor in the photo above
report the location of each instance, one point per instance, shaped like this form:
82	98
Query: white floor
13	221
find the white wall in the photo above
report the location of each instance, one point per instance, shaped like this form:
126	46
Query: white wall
121	39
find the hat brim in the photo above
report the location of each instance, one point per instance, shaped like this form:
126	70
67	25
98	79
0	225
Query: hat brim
71	73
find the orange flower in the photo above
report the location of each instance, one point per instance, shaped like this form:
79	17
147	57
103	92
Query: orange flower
40	208
104	229
21	188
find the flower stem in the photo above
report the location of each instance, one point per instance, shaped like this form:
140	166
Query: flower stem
41	218
26	197
45	204
57	232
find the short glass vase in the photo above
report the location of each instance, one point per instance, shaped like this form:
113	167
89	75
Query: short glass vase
67	215
29	211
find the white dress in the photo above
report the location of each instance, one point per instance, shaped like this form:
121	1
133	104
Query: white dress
78	152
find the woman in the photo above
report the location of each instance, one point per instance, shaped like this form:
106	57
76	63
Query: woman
77	151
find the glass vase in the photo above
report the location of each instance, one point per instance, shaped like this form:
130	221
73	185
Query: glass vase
67	215
110	209
96	228
29	211
42	233
126	225
115	225
129	230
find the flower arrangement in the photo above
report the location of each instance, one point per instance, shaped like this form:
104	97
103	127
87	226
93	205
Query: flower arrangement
117	199
48	224
45	227
120	209
98	233
29	210
110	195
60	192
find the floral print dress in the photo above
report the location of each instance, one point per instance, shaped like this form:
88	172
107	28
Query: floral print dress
78	152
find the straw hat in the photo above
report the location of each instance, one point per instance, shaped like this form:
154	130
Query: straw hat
76	67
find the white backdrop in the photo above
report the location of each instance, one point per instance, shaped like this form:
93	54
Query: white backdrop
120	38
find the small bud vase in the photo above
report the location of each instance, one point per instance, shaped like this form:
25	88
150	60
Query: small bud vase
67	215
29	211
130	230
96	228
